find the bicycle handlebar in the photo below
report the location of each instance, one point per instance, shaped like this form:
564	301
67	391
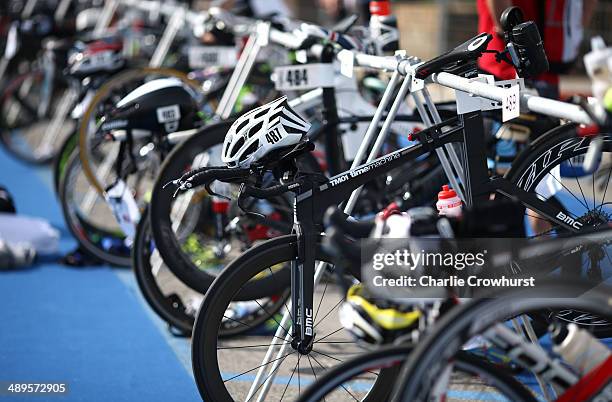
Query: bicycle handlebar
267	192
206	176
530	102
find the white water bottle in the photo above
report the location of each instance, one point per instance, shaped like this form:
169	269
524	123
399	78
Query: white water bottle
383	27
449	204
579	348
598	64
121	201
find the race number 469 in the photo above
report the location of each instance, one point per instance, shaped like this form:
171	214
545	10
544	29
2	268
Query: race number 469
511	105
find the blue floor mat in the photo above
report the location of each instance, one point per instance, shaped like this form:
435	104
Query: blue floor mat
81	326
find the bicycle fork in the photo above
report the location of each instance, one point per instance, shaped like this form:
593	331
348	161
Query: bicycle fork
304	278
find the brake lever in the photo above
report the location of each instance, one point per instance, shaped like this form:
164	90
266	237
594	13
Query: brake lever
185	176
240	202
214	194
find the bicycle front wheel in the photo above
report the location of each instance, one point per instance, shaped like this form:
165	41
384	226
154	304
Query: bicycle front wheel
467	322
231	369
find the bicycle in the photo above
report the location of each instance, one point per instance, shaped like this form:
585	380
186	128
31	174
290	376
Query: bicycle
482	316
314	197
96	163
184	245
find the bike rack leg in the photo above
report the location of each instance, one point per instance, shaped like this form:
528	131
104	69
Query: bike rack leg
450	173
382	135
449	147
282	347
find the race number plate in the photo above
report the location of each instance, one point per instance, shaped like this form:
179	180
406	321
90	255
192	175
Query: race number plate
304	76
511	107
12	42
347	63
208	56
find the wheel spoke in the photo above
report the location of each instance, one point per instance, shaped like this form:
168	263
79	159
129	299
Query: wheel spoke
271	316
249	326
289	382
321	301
586	204
328	313
285	301
593	182
330	334
298	371
271	374
341	385
260	366
313	371
569	191
603	197
244	347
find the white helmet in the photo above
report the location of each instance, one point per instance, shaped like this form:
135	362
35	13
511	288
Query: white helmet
255	134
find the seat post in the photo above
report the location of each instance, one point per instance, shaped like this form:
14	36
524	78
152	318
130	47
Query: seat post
332	137
474	158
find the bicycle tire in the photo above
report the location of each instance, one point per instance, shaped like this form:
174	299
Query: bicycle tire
161	203
389	358
448	336
166	308
79	227
226	288
61	159
170	307
528	170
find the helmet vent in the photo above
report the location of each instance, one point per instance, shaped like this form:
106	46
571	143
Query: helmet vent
255	129
259	114
237	146
241	125
249	151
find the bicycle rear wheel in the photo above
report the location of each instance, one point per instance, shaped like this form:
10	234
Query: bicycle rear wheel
61	160
551	167
173	301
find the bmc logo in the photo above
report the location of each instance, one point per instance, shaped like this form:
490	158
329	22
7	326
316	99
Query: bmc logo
273	136
308	324
569	220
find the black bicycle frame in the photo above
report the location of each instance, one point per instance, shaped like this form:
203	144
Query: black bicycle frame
312	200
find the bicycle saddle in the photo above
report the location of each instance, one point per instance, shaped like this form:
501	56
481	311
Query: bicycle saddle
466	52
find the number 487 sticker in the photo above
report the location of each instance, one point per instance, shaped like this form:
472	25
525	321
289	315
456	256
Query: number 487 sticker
511	105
